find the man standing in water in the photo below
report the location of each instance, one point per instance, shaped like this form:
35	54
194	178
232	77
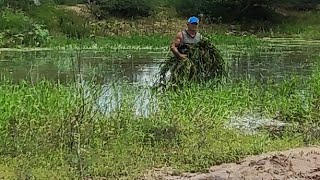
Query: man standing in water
185	38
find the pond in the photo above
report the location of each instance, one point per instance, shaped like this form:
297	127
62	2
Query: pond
278	60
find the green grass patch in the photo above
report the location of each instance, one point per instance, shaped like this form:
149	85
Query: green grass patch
66	28
303	25
54	130
156	41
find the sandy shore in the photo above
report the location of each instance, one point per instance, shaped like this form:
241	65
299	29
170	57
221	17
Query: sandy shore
294	164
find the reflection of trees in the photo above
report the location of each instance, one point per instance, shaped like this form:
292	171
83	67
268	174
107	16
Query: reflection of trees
133	67
63	66
36	65
115	96
274	65
128	71
137	72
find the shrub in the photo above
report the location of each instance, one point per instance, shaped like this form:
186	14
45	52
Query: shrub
69	2
2	4
16	21
18	4
126	8
19	29
73	25
227	10
60	21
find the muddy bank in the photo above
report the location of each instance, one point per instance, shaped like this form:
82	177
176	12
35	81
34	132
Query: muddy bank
299	164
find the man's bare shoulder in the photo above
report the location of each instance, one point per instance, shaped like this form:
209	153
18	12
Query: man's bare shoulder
178	38
179	34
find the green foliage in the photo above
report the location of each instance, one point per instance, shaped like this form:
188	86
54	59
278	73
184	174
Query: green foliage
60	21
299	1
126	8
303	25
69	2
228	10
27	4
14	20
2	40
189	7
164	3
19	4
73	25
35	37
19	29
299	5
2	4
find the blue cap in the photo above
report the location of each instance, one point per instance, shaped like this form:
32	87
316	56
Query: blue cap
193	19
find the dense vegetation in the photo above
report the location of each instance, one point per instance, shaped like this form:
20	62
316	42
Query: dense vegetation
55	130
33	23
247	10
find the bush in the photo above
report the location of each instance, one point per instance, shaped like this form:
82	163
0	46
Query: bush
19	29
18	4
126	8
69	2
14	20
228	10
2	4
300	5
73	25
190	7
60	21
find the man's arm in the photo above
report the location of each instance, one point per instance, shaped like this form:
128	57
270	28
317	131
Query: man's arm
175	44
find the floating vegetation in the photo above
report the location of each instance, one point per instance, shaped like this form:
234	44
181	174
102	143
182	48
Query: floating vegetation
203	62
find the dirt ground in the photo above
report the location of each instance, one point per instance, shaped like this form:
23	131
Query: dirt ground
294	164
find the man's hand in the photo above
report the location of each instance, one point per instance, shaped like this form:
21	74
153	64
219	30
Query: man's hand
183	56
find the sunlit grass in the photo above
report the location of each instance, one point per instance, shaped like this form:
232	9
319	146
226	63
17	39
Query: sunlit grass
49	128
302	25
151	42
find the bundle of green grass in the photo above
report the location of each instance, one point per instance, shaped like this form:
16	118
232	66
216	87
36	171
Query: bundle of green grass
204	62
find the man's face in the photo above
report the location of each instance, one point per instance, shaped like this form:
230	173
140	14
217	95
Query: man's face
192	26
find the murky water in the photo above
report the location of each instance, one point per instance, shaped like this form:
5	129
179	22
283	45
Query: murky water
279	60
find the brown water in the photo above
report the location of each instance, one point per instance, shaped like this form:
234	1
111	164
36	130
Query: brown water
280	60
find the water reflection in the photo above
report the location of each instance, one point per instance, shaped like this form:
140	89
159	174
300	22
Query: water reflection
145	103
113	97
142	68
277	67
110	99
139	69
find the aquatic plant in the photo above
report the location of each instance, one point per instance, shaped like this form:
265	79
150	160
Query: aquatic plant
203	62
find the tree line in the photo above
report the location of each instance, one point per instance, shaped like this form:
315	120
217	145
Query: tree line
224	10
